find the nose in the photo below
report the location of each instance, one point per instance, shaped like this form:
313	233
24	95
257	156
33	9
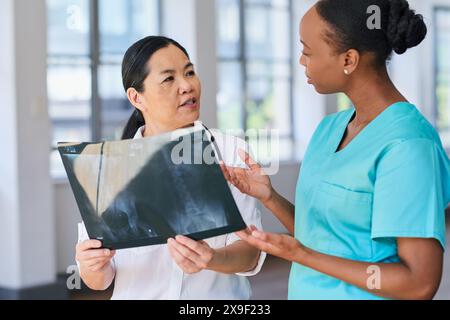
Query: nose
185	86
302	60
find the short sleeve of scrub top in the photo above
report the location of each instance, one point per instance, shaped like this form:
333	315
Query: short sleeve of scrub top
391	181
408	195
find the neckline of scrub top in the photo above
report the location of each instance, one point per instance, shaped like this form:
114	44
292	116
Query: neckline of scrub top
343	130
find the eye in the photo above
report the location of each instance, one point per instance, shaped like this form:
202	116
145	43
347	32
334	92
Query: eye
190	73
169	79
305	54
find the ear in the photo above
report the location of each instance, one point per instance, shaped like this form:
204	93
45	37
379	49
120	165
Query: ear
135	99
351	61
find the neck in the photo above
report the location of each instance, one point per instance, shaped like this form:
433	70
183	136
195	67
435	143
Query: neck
371	93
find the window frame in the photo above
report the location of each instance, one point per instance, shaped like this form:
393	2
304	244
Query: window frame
435	112
243	60
94	64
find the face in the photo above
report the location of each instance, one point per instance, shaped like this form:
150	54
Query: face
172	90
324	67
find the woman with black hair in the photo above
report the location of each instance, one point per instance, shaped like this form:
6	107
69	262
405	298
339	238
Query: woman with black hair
369	217
161	83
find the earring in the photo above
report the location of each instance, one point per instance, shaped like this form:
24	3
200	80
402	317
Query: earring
346	72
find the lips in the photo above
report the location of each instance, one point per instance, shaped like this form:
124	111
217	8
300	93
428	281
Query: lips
190	103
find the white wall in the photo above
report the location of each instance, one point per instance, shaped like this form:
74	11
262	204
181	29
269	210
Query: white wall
9	204
192	23
26	208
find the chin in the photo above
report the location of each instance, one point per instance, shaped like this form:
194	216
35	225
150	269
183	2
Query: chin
322	90
191	118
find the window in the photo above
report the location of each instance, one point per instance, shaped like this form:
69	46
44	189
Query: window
86	43
442	73
255	68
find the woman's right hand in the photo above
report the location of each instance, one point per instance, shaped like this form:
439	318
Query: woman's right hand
252	181
91	258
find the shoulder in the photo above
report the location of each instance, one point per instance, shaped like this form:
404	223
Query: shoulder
410	127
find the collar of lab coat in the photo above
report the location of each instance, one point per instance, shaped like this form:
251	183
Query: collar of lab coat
140	133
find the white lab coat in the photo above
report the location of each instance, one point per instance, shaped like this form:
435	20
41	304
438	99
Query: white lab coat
149	273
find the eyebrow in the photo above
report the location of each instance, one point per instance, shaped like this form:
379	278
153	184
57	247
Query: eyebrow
303	42
171	71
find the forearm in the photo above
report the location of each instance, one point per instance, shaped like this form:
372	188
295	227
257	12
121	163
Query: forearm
283	210
100	280
396	280
236	258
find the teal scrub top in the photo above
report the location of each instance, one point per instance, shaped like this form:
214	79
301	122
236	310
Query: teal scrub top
391	181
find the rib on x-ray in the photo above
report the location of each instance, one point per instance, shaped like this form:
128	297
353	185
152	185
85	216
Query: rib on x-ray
137	192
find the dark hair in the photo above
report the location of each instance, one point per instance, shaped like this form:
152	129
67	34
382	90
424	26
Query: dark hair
401	27
135	70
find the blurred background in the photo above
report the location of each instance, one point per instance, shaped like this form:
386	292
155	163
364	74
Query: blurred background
60	80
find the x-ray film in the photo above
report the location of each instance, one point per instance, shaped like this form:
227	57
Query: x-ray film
141	192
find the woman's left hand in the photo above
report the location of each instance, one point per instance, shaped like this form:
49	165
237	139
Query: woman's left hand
280	245
190	255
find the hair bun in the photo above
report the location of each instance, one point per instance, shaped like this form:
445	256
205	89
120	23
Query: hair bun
406	29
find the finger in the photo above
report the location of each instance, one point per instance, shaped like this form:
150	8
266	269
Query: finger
241	177
180	259
99	266
177	257
272	238
225	171
241	174
241	183
234	180
195	246
93	254
263	245
183	250
232	175
252	164
191	249
244	234
89	244
196	257
94	262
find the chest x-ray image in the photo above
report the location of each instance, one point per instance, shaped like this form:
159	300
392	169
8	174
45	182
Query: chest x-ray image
142	192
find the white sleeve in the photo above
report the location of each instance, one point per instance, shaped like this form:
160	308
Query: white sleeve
251	216
82	236
247	205
82	233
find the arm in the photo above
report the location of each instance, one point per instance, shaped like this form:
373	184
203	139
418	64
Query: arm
95	265
416	276
254	182
282	209
195	256
238	257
